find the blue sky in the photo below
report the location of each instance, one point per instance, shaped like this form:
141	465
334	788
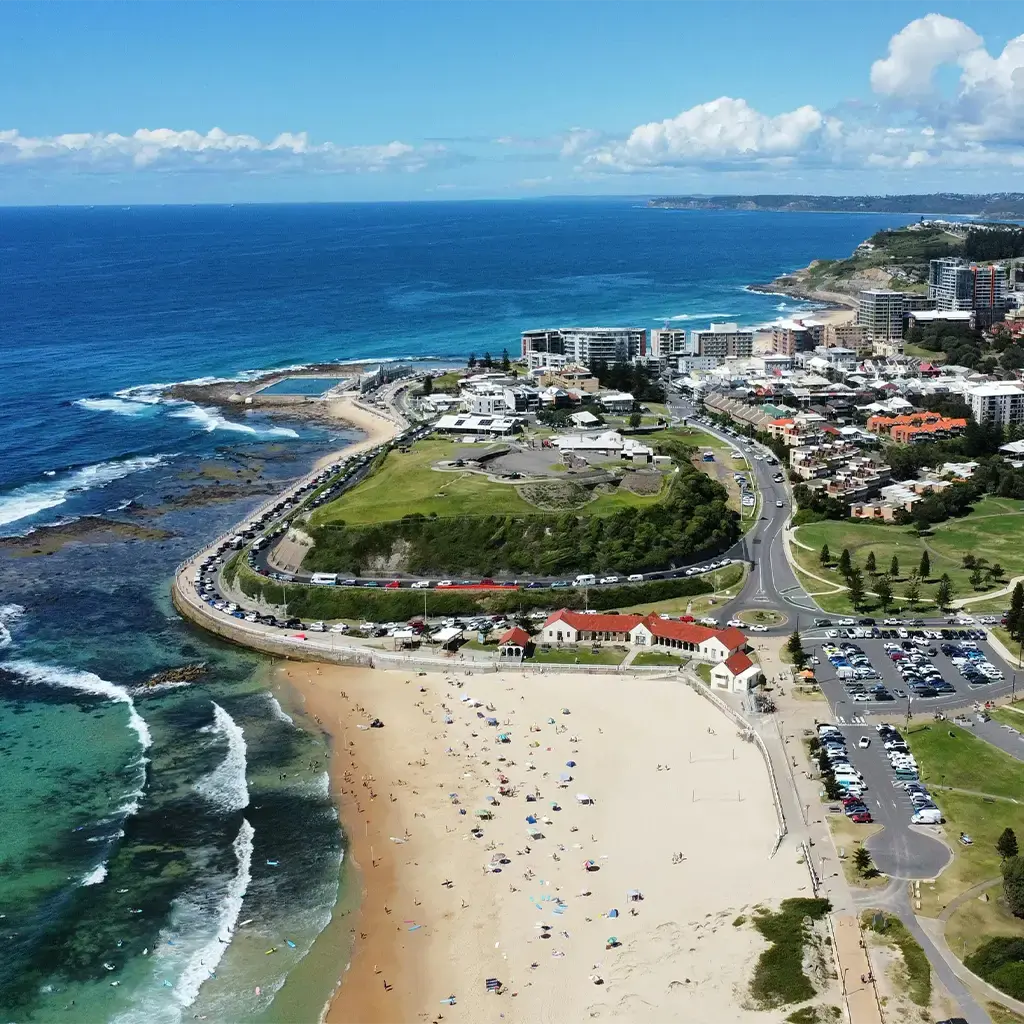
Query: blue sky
235	102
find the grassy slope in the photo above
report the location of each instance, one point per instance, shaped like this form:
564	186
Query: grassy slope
991	531
963	761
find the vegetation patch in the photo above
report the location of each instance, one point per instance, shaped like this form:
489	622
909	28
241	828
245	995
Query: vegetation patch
779	977
1003	1014
657	658
894	932
1000	961
231	569
471	536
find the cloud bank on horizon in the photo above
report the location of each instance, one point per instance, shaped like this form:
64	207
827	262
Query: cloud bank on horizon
912	123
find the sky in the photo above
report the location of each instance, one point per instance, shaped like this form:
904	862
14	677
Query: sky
293	102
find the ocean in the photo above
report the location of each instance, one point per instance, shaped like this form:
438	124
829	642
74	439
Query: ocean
158	841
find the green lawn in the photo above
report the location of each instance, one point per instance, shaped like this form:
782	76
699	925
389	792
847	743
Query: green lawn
704	671
449	382
407	484
691	435
977	920
964	761
924	353
729	580
1007	716
657	658
991	531
578	656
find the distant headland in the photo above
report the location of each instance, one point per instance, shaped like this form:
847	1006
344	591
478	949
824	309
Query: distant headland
994	204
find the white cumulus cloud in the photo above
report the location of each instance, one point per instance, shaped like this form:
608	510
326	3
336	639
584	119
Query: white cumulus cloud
166	147
917	51
725	130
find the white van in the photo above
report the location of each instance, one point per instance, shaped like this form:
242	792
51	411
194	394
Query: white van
324	579
927	816
585	579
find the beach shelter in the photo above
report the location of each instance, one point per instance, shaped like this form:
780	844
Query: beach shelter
492	721
582	798
590	865
613	913
531	820
570	764
565	777
493	985
634	895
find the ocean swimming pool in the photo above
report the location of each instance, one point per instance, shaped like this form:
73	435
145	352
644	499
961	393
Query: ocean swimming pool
302	386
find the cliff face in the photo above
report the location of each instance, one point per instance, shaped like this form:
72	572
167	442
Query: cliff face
815	282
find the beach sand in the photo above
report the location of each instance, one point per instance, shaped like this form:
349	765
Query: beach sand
378	428
681	812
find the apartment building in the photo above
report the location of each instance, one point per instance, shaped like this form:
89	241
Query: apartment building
920	426
848	335
722	341
790	337
818	461
999	402
668	343
880	312
583	345
957	286
859	477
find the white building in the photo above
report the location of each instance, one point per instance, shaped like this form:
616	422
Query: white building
880	312
495	425
1000	402
721	341
737	674
669	343
584	344
616	401
609	442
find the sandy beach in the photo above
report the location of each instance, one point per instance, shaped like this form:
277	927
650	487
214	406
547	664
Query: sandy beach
678	809
377	428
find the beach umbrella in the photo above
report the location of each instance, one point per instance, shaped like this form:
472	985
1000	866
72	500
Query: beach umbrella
570	764
613	913
564	777
589	865
531	820
551	721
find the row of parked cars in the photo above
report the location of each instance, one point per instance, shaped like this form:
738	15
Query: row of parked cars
905	776
971	662
850	781
921	677
855	671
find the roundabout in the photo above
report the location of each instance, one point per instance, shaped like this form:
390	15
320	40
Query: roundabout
762	617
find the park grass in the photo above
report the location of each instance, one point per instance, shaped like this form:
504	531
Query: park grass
449	382
730	579
704	671
695	437
657	658
848	836
964	761
893	932
578	656
991	531
924	353
779	977
406	484
976	921
1012	716
763	616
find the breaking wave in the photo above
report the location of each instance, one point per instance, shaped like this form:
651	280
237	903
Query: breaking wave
31	499
225	786
211	419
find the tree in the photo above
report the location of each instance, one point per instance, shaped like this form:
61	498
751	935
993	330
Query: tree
968	561
912	591
796	649
856	584
1013	885
944	591
976	577
862	860
869	565
1006	844
471	361
428	385
1015	616
506	363
883	588
825	557
833	791
995	571
894	568
488	361
925	569
845	565
922	525
635	419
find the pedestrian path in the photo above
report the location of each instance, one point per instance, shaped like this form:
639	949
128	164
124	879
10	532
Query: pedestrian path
853	720
855	972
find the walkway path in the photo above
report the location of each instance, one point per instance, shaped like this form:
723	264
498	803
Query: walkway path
967	894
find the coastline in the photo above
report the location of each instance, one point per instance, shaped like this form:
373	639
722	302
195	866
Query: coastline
679	957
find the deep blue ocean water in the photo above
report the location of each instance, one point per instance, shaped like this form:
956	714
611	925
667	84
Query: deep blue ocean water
138	825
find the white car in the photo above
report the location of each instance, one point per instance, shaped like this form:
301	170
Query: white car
738	623
608	579
317	627
339	627
757	627
862	697
779	504
864	742
445	583
833	633
421	585
636	577
847	622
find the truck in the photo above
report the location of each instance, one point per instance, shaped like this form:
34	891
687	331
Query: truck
324	579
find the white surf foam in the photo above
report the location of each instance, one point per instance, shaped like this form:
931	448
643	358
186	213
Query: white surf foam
84	682
695	316
31	499
120	406
225	786
275	706
96	876
9	614
211	419
204	960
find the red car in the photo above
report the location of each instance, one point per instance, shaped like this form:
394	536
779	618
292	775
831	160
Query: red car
847	800
861	817
393	585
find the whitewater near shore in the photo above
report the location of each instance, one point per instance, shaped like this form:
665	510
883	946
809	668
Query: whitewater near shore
588	852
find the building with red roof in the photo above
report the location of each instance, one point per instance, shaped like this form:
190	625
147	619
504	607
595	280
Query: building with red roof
737	673
514	643
569	627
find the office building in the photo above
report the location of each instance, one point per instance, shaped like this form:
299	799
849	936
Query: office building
1001	402
722	341
583	345
880	313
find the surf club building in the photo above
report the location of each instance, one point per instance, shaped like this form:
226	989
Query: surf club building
650	632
